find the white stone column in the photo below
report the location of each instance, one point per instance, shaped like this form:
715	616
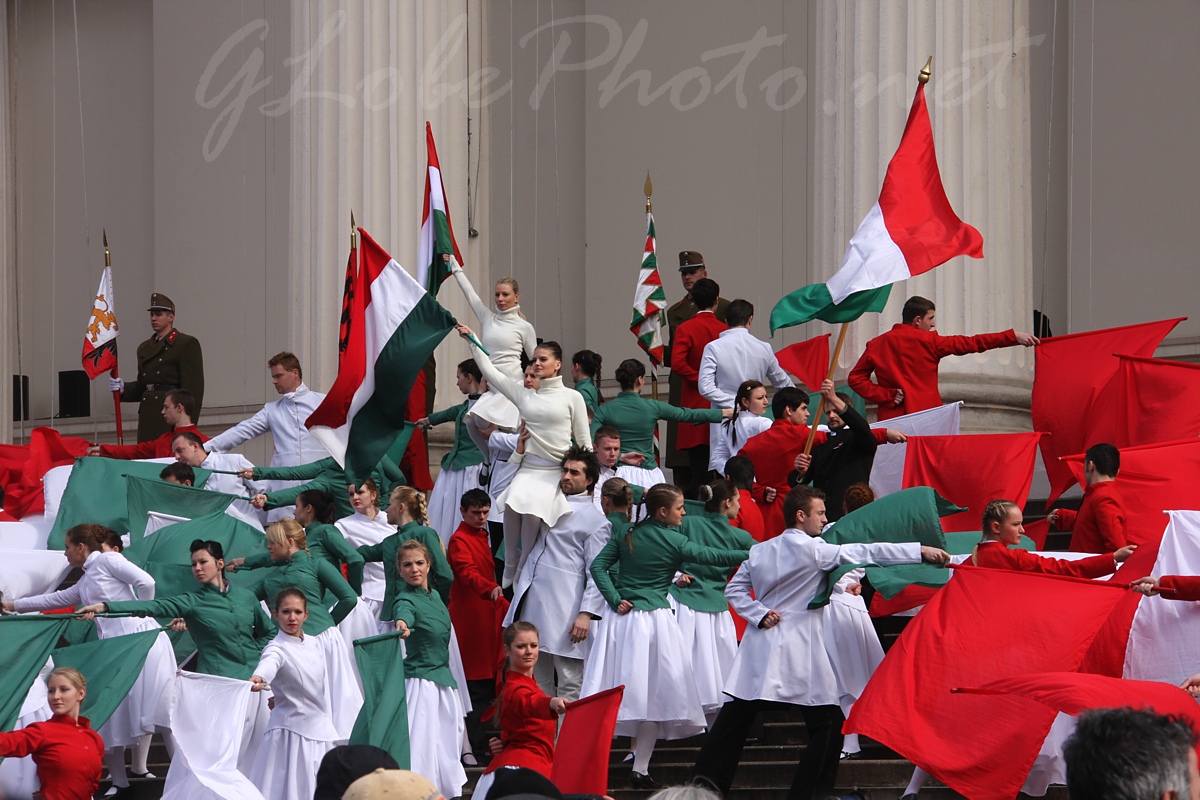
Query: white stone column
867	56
366	77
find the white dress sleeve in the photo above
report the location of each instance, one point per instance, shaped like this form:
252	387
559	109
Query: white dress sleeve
482	312
269	662
127	572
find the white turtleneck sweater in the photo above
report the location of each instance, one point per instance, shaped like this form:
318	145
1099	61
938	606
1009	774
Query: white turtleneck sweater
552	414
504	333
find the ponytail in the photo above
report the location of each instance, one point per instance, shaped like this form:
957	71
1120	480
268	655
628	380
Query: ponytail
743	394
414	501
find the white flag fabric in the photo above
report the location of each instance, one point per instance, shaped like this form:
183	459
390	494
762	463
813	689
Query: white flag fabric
887	474
25	573
205	766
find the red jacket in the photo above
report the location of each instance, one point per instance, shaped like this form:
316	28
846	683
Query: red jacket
998	555
907	358
527	726
1099	524
686	352
68	756
749	518
155	448
1184	587
472	609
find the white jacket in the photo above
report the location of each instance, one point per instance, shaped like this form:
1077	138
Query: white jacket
284	420
733	357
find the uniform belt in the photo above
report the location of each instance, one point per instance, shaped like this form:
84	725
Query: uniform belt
160	387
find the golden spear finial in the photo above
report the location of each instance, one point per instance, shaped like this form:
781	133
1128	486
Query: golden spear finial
353	231
649	188
107	255
925	73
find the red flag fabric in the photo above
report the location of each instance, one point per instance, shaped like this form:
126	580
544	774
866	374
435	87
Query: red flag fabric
1073	384
807	360
972	470
1038	531
982	625
415	464
1075	692
1153	478
584	743
1148	401
46	450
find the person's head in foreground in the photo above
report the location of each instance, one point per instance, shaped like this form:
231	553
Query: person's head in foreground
392	784
1124	754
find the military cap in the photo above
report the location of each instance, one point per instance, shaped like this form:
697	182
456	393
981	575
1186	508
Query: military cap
689	260
160	302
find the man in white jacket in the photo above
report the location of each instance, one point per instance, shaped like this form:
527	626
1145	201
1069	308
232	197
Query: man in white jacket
782	657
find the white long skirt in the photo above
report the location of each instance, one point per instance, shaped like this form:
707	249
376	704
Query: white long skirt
853	646
496	409
360	623
343	686
641	477
435	734
286	765
459	672
644	650
148	704
712	640
446	499
534	490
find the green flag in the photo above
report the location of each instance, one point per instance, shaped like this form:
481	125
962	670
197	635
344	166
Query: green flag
25	644
111	666
96	493
167	555
143	495
814	302
383	720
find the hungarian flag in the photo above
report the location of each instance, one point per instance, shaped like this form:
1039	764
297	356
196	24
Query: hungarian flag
437	234
972	471
1074	390
100	340
649	300
909	231
394	327
807	360
1148	401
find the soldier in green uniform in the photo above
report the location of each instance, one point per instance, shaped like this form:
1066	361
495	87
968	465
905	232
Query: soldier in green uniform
691	269
167	360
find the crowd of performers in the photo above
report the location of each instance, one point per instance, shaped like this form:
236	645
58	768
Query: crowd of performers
551	561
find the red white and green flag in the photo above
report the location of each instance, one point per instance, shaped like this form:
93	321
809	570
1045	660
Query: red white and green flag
649	300
100	339
437	234
394	326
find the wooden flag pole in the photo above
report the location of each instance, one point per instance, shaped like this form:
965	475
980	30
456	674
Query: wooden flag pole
114	372
837	352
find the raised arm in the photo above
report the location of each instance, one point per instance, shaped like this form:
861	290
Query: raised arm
244	431
478	307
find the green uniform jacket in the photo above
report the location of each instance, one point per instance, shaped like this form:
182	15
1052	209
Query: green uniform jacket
440	574
464	453
620	526
707	589
678	314
173	362
649	566
230	628
591	395
327	475
312	576
427	649
635	417
324	542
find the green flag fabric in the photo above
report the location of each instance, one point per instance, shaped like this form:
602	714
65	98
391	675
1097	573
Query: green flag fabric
167	556
143	495
25	644
814	302
111	666
96	493
890	581
383	720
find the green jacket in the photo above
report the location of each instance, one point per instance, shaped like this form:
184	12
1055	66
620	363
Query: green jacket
649	563
329	476
463	453
440	574
591	395
427	649
636	418
324	542
707	589
312	576
230	628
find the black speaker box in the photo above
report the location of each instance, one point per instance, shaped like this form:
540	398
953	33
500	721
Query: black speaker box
74	394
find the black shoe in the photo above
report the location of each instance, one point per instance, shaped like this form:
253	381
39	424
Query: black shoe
639	780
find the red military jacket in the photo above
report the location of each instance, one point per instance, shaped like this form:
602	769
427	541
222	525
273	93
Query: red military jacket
1099	525
688	349
472	610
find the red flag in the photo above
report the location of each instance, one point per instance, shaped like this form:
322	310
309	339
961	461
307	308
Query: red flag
1071	373
584	743
415	464
347	304
1038	531
972	470
807	360
47	449
1148	401
984	624
1153	478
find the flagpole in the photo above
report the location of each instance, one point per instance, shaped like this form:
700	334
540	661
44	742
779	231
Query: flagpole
649	189
837	352
114	372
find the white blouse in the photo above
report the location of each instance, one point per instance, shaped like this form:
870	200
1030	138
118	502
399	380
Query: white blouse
359	529
107	578
294	666
505	334
721	441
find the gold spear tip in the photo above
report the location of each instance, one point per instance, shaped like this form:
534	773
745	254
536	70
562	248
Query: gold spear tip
105	231
352	225
925	71
649	186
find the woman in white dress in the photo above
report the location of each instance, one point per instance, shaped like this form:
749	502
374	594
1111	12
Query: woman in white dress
553	415
300	731
436	722
505	334
108	576
749	405
366	526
